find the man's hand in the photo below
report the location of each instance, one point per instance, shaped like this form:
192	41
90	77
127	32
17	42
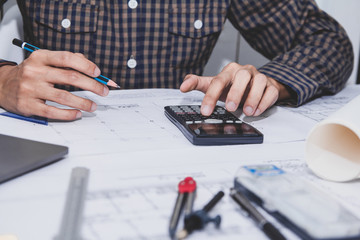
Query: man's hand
25	88
237	84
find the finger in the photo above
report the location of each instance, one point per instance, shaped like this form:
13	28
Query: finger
66	59
256	92
74	78
194	82
39	108
80	55
214	91
241	80
68	99
269	98
52	112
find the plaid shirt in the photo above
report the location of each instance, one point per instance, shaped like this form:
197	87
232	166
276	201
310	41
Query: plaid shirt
308	50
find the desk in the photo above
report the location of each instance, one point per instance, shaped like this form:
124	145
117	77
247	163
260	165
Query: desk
137	157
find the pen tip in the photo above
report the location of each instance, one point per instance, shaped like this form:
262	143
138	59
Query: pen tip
111	83
182	234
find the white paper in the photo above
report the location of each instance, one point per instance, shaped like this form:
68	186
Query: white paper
134	120
333	145
136	158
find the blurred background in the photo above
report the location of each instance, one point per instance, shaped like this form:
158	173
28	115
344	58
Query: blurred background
230	46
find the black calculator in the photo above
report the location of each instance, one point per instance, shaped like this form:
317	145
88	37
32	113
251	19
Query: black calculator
220	128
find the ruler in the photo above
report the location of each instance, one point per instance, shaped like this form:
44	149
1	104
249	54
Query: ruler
70	228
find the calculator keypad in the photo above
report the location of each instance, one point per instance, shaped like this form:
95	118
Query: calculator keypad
220	128
191	114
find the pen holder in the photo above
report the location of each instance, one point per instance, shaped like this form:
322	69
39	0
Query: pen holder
333	146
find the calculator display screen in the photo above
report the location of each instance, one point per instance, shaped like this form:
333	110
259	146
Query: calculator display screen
208	129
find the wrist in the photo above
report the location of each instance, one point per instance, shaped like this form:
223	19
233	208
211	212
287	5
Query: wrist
4	72
284	93
5	76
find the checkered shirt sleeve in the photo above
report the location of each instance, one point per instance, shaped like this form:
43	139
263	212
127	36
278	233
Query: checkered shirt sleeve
310	52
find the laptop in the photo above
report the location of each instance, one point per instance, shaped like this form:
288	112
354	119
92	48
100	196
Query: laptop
19	156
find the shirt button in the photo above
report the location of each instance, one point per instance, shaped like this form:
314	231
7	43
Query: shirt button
198	24
65	23
131	63
132	4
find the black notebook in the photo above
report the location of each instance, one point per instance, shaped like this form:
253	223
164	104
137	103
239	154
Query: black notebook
19	156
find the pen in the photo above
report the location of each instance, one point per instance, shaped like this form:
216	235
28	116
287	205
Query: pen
34	119
31	48
185	198
260	220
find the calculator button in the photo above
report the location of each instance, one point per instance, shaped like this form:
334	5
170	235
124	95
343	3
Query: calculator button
229	121
189	122
213	121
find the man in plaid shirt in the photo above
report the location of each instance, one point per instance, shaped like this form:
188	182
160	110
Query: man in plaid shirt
166	44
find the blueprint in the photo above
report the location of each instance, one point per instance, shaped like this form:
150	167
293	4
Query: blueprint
136	158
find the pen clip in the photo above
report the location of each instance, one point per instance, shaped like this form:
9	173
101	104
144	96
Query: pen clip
188	185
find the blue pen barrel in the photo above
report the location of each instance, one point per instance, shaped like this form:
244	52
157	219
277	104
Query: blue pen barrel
31	48
26	46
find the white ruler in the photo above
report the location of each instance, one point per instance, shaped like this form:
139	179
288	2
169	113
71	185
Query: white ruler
71	223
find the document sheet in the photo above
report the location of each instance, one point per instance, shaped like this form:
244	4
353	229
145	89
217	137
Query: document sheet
136	158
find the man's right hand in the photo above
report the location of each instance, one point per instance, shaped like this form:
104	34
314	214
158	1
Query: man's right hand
25	88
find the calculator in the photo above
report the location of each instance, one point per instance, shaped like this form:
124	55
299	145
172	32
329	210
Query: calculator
220	128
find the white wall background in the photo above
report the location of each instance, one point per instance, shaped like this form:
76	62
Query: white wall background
227	49
10	28
347	13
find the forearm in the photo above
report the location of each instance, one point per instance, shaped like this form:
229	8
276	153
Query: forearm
319	64
310	52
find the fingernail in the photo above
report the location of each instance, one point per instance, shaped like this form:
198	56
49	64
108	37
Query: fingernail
206	110
97	72
93	107
78	115
257	113
106	91
231	106
248	110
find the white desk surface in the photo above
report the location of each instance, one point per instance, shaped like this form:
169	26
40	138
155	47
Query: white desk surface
136	158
